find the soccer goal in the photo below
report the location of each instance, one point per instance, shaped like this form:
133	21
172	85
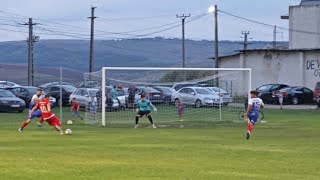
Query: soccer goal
194	97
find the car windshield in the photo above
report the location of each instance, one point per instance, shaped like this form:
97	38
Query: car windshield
69	88
32	90
167	90
148	89
6	94
285	89
265	87
93	93
203	91
216	89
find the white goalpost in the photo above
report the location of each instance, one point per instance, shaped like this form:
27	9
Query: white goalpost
207	95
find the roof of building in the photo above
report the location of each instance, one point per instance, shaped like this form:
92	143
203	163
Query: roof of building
309	2
267	50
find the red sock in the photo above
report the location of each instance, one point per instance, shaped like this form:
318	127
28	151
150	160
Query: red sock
24	124
41	120
250	127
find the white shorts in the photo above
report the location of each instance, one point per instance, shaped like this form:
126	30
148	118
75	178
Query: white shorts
280	100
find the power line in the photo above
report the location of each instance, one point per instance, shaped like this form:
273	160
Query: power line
269	25
172	27
134	18
239	17
12	14
11	30
150	28
78	30
60	33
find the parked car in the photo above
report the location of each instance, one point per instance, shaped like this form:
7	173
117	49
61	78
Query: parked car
9	84
67	90
26	92
166	93
266	92
296	95
83	95
178	86
226	96
90	84
196	96
316	92
121	98
10	103
152	94
47	85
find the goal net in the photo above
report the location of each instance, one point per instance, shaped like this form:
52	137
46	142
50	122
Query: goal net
183	97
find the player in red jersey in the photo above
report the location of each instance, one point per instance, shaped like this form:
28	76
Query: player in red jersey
47	115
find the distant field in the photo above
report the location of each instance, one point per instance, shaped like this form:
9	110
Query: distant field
286	147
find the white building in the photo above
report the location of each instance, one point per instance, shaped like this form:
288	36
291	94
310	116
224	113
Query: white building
291	67
297	66
304	23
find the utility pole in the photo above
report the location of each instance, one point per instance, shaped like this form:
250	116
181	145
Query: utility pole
31	40
216	37
91	39
274	43
183	18
245	39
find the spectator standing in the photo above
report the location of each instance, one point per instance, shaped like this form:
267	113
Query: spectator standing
75	107
132	93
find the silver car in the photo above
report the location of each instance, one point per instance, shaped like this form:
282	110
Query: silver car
226	96
196	96
84	96
121	98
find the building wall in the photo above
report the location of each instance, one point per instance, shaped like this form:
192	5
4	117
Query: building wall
307	19
295	68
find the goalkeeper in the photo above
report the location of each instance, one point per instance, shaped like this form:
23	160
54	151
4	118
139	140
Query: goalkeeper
144	109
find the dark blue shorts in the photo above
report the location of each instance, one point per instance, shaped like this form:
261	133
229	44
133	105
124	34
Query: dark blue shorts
35	114
253	117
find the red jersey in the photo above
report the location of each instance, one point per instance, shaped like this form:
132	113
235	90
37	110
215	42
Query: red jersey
43	106
75	105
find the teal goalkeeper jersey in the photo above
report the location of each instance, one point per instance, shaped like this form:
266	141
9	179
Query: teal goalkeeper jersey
144	105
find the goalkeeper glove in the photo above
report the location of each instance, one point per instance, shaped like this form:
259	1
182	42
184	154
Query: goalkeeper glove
155	109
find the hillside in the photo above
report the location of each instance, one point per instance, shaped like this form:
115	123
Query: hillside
74	54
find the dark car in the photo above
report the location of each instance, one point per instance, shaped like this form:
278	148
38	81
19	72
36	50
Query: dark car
266	92
152	94
316	92
166	93
26	92
296	95
67	90
10	103
47	85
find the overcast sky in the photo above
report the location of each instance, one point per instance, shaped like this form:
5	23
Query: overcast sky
125	16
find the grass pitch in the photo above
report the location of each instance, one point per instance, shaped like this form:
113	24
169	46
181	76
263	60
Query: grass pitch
286	147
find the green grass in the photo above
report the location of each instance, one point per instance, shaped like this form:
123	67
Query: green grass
286	147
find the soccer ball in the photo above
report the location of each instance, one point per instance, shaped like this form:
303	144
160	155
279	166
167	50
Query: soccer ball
68	131
69	122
